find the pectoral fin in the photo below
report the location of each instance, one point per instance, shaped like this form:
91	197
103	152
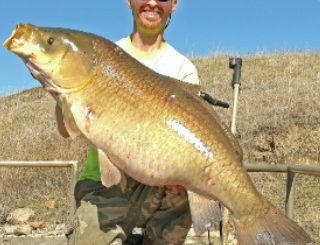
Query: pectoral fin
68	119
110	174
204	212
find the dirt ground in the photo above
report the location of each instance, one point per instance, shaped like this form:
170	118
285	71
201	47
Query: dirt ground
278	123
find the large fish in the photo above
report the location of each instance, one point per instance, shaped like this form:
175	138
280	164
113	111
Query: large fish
151	127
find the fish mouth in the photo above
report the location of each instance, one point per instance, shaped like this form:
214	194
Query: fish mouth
24	42
17	38
10	40
18	44
14	43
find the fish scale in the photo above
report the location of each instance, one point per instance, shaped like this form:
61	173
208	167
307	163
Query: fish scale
157	115
154	128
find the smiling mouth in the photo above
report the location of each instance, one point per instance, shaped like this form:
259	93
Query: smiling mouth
151	13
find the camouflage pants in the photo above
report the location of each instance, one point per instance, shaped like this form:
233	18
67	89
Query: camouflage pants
163	213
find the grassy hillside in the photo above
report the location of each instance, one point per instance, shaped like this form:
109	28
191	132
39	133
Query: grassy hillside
278	122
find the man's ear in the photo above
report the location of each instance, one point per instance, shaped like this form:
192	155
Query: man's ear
174	5
129	3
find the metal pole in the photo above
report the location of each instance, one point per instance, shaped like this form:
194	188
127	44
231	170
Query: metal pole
235	64
234	109
72	231
312	169
291	183
38	163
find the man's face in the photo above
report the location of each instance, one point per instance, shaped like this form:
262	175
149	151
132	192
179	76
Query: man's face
151	15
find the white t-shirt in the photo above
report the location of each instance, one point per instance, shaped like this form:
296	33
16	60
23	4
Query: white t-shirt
166	61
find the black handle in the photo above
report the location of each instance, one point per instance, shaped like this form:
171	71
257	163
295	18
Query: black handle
235	63
212	100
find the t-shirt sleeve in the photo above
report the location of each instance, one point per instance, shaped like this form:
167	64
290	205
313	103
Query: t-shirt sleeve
91	170
189	73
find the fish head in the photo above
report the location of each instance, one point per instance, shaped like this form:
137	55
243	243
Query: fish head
60	59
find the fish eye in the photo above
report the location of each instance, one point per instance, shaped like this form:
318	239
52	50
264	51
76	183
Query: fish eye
50	40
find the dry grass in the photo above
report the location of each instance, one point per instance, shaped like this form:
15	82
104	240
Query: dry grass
279	110
33	188
278	122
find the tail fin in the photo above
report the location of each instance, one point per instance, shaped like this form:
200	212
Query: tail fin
272	229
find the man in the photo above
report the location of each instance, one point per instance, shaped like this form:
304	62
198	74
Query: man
163	213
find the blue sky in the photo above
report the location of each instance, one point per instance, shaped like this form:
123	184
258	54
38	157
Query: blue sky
199	27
